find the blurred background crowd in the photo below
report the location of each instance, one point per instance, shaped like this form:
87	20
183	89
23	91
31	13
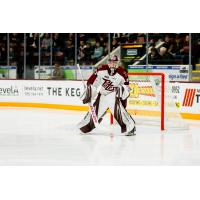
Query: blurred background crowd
68	49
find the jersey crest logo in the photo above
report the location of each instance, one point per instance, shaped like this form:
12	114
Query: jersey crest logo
108	85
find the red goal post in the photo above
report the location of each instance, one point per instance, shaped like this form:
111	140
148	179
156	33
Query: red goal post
162	95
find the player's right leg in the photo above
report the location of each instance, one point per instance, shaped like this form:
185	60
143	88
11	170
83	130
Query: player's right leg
87	124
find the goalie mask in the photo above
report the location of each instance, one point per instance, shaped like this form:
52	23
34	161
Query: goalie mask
113	63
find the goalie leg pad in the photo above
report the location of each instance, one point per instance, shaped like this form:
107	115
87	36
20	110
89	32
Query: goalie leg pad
87	124
122	117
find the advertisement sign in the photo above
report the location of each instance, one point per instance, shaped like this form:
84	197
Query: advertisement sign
8	72
43	72
53	92
173	72
142	96
180	97
190	98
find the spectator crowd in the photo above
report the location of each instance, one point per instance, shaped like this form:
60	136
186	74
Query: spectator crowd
174	49
47	48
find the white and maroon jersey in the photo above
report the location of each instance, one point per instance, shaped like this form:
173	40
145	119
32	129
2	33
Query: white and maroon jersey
108	81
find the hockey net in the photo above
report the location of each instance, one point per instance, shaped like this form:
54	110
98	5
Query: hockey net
152	103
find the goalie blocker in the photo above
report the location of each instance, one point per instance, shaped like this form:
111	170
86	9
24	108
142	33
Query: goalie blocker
114	91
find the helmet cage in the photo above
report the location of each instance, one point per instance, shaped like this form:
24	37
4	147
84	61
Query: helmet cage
113	62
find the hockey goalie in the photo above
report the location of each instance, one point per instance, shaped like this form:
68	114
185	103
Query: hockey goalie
108	87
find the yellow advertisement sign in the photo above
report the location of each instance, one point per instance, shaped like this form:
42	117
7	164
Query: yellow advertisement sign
133	102
137	90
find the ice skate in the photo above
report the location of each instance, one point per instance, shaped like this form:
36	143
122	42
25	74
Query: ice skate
131	133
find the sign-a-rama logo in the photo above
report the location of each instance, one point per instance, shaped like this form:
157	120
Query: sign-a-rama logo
189	97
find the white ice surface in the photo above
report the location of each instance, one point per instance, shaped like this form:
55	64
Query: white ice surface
49	137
